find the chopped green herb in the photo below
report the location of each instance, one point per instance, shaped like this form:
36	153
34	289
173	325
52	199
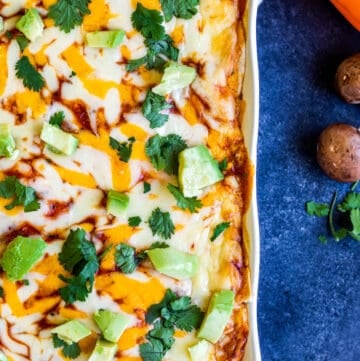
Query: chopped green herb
151	108
57	119
31	78
78	256
22	41
123	149
127	259
163	152
21	195
1	292
9	34
220	228
317	209
161	224
223	165
351	201
147	187
70	350
134	221
69	13
184	9
159	245
72	74
25	282
191	203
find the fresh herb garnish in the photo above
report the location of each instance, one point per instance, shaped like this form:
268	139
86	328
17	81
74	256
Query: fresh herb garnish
57	119
147	187
220	228
69	13
134	221
22	195
184	9
123	149
161	224
1	292
22	41
317	209
190	203
70	350
163	152
223	165
78	256
152	107
31	78
160	46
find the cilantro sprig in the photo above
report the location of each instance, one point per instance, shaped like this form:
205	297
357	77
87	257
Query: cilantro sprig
184	9
343	217
69	13
152	107
123	149
57	119
191	203
69	350
160	46
21	195
161	224
163	152
30	77
219	229
78	256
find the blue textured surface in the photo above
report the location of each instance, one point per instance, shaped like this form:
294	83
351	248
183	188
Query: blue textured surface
309	295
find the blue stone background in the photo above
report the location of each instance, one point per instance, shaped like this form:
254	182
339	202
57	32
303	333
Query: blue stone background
309	293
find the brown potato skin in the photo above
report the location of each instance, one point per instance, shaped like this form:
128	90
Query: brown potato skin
338	152
347	79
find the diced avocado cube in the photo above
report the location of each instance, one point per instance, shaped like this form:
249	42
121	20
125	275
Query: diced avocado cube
176	76
3	357
197	170
72	331
117	203
200	351
103	351
7	142
174	263
31	24
111	324
105	39
20	256
57	139
217	315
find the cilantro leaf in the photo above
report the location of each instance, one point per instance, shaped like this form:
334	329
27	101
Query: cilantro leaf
184	9
22	41
22	195
147	187
156	245
148	22
57	119
127	259
223	165
31	78
78	256
355	220
69	13
161	224
70	350
190	203
1	292
351	201
134	221
220	228
123	149
163	152
152	107
317	209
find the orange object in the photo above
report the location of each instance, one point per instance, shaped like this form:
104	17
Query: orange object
350	9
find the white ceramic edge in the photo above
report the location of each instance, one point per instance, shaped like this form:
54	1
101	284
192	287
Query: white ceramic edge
250	129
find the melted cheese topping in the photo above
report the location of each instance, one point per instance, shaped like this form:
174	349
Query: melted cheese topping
100	99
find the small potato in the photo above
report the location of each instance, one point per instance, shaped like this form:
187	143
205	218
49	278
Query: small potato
347	79
338	152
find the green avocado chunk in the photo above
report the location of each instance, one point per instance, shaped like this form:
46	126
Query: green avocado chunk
103	351
197	170
20	256
31	24
72	331
111	324
3	357
58	140
174	263
7	142
217	315
117	203
176	76
105	39
200	351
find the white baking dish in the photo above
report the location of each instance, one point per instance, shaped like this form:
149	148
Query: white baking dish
250	129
